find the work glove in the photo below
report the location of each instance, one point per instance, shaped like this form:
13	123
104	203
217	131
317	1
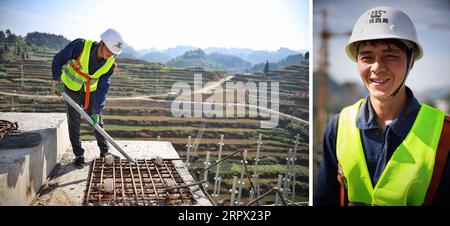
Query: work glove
96	119
57	87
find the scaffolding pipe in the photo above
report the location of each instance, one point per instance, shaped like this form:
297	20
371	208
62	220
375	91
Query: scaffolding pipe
188	146
214	164
255	193
217	189
293	188
205	176
241	180
216	177
257	153
277	193
288	173
233	191
294	155
252	188
277	199
206	193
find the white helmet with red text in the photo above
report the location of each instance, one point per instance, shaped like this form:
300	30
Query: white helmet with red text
384	22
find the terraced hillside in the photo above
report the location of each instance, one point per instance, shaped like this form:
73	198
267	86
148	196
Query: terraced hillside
139	108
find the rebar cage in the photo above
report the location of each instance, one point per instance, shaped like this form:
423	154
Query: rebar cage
142	184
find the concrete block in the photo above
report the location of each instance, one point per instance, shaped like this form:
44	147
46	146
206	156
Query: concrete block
24	170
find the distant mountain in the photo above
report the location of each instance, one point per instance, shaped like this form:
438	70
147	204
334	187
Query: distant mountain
260	67
231	62
232	59
142	52
290	60
129	52
196	58
156	57
252	56
178	50
239	52
284	52
261	56
213	61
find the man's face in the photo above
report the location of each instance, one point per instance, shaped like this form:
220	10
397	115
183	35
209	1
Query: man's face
105	53
382	68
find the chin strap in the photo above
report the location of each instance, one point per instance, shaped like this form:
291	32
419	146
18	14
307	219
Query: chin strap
410	61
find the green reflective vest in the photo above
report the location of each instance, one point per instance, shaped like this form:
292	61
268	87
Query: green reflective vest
72	72
407	174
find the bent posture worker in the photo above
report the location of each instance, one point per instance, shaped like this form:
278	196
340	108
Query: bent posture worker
83	69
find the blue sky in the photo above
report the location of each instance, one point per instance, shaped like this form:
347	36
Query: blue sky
256	24
429	72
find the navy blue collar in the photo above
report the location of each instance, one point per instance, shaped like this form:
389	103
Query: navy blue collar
400	126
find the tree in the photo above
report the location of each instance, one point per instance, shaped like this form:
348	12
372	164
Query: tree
51	41
266	68
10	37
307	55
2	55
19	50
2	36
8	33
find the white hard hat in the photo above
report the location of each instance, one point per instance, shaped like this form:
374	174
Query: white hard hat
113	40
383	22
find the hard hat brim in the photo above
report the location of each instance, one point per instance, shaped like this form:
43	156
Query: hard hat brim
112	49
350	48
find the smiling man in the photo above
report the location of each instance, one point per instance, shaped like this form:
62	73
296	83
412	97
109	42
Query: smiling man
79	69
386	149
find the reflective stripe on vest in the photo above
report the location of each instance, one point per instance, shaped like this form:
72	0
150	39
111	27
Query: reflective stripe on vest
407	174
73	80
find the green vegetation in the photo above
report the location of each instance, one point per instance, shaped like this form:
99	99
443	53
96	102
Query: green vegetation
14	46
195	58
50	41
290	60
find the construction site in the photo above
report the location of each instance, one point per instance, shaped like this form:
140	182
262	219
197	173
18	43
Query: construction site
176	161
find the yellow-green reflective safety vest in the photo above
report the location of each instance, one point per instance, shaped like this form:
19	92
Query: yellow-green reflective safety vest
407	174
74	80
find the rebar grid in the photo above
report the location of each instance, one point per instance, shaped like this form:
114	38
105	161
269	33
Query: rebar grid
142	184
6	126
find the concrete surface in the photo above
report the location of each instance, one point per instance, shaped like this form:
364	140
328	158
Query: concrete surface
24	170
69	184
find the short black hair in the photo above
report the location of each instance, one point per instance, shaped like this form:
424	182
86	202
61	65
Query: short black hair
396	42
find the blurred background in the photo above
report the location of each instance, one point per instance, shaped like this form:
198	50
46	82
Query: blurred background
336	80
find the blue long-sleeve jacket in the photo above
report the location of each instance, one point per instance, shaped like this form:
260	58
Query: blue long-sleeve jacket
378	145
72	51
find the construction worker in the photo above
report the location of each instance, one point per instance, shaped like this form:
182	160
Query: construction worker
83	70
386	149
